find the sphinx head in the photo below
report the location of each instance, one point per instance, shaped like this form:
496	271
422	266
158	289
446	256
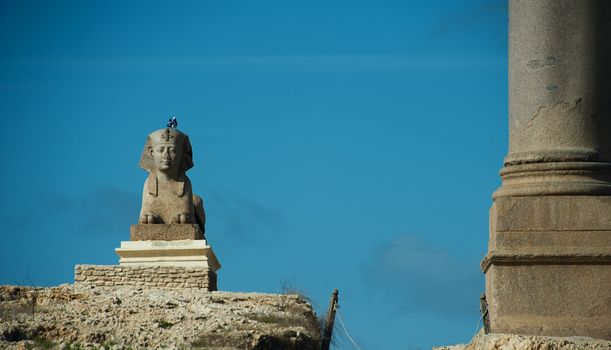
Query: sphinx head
167	150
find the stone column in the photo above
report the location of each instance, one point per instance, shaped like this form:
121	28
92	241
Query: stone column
548	267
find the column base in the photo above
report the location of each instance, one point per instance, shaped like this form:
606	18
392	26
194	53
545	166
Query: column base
553	300
555	179
548	268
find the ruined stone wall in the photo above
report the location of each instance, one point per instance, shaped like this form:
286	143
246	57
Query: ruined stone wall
145	276
124	317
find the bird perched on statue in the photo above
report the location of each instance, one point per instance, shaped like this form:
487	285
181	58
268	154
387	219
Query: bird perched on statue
172	123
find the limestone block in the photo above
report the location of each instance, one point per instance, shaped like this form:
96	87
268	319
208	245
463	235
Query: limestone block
184	253
559	300
146	276
568	227
548	268
552	213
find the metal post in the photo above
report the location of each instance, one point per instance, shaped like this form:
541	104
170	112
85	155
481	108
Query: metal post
328	331
483	306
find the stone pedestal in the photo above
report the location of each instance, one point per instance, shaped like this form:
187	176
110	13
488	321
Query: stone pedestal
164	232
185	253
548	267
158	255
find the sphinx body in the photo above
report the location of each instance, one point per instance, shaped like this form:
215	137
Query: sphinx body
167	196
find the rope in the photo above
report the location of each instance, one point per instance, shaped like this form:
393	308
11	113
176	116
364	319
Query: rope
477	326
481	319
341	321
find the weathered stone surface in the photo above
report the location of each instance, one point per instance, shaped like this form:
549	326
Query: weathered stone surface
559	75
499	341
548	268
142	276
122	318
557	299
167	197
555	178
551	225
164	232
552	213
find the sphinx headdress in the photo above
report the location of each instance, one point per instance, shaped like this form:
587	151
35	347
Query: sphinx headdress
167	136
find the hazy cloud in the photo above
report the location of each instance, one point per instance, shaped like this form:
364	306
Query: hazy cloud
110	210
242	219
418	277
101	210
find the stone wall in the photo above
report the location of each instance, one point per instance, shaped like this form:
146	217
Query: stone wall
145	276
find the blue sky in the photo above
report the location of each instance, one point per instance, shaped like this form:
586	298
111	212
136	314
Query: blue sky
337	144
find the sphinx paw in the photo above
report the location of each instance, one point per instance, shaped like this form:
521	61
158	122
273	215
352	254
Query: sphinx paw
180	219
184	218
148	219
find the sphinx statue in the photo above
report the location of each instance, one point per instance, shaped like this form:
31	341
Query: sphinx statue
167	197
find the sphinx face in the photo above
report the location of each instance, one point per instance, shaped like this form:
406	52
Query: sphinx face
166	157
